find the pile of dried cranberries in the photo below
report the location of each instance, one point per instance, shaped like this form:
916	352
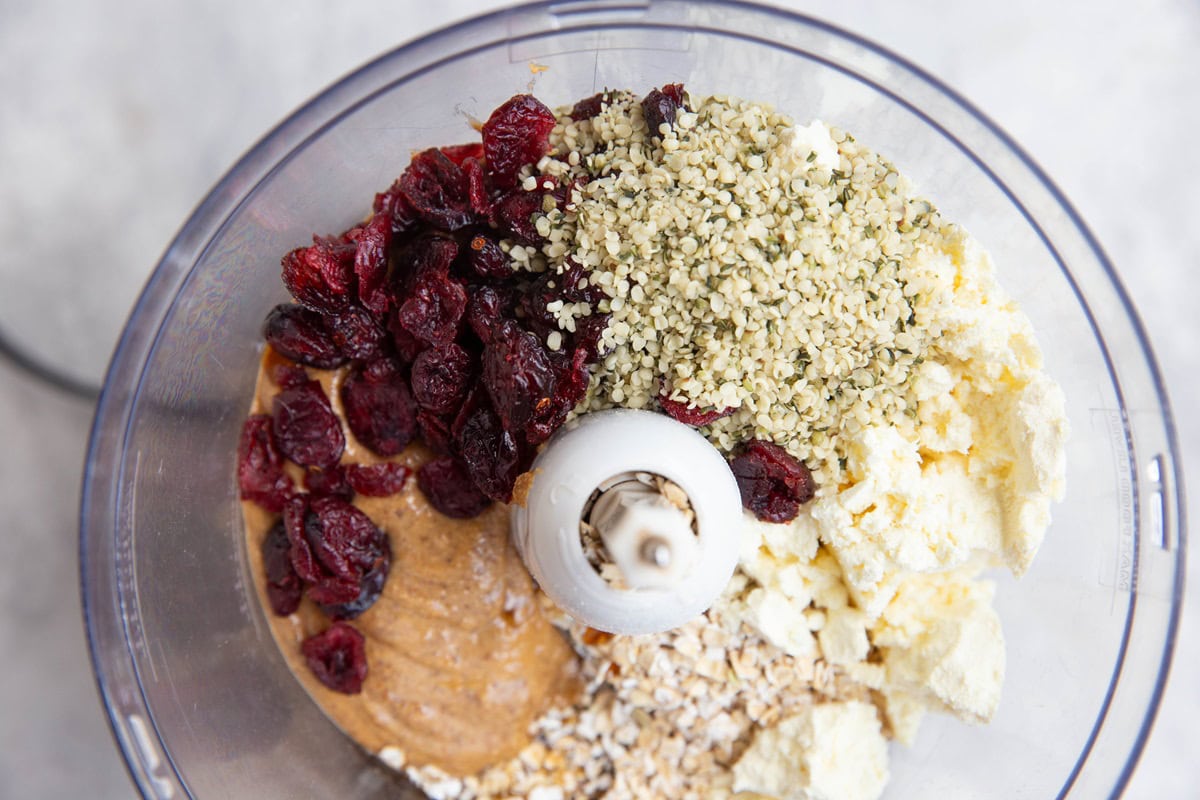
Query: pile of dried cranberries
442	342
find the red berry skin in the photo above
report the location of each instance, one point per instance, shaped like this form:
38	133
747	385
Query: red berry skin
772	482
371	264
516	135
379	407
446	483
433	310
320	276
661	105
438	191
284	587
301	334
261	478
441	377
377	480
688	415
305	427
338	658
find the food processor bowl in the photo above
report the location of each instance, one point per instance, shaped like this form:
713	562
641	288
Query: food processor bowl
199	697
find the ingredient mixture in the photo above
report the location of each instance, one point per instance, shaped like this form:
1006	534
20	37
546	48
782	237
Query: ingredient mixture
453	661
779	287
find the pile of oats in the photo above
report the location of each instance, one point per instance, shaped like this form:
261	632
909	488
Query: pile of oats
663	715
744	272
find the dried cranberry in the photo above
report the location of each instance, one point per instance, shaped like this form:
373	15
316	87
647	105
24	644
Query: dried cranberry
487	259
476	396
283	584
305	427
379	407
461	153
356	333
296	522
518	375
368	590
583	291
286	375
408	347
773	483
548	288
589	331
371	264
562	193
570	286
569	388
261	478
515	135
338	552
576	286
477	190
338	658
441	377
426	255
320	276
548	184
661	105
591	106
433	309
438	190
486	308
573	382
513	214
332	591
392	206
492	456
446	483
300	334
534	302
377	480
435	432
345	541
329	482
689	414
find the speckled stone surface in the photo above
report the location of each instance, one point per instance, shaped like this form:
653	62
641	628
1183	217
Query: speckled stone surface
117	117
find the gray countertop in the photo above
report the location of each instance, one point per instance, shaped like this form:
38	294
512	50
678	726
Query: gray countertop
117	117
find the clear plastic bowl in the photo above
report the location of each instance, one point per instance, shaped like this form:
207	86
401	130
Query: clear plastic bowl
200	700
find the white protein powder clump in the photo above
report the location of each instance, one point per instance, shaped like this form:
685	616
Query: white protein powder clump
832	751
